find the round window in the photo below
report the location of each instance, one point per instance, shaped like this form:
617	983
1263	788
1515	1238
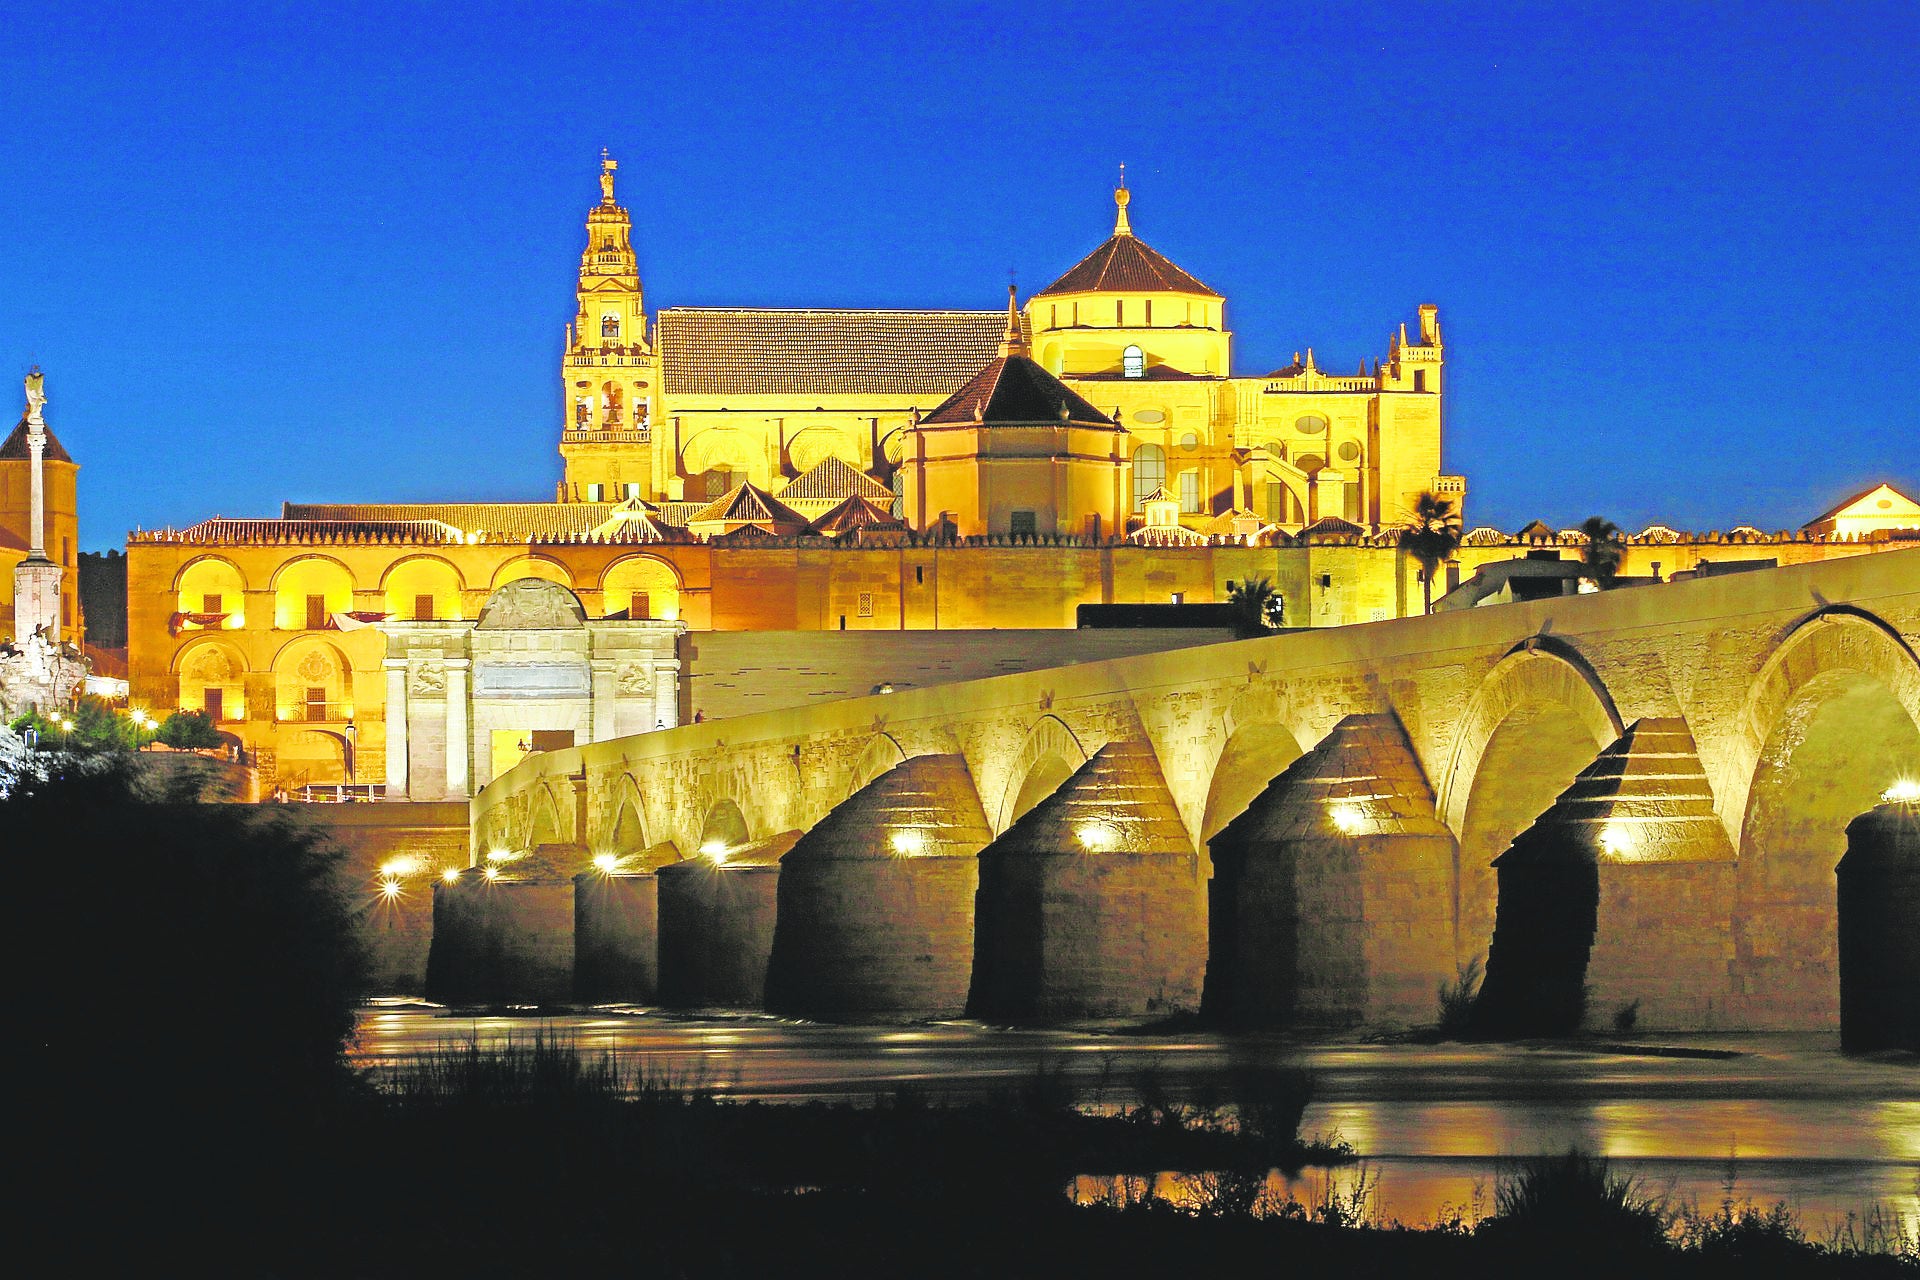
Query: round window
1309	462
1189	441
1349	450
1311	426
1149	415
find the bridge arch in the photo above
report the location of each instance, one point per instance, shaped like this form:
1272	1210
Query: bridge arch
543	820
1831	721
1539	717
724	827
882	753
1263	737
1048	758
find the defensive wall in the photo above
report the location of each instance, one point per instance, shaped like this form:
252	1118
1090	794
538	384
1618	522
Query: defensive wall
1701	746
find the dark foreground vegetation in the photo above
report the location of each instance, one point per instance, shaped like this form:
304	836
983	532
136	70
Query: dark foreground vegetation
185	978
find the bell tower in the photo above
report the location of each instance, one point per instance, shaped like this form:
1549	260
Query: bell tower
609	380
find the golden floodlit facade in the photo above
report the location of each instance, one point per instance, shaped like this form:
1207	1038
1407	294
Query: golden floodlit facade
809	470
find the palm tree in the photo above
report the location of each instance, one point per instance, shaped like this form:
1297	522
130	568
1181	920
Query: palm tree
1262	607
1606	546
1431	536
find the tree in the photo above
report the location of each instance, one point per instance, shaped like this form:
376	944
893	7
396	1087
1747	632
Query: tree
189	730
1606	546
1262	608
1431	536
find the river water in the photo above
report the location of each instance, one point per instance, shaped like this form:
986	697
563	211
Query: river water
1779	1117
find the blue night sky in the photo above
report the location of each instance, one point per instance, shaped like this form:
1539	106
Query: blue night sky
266	253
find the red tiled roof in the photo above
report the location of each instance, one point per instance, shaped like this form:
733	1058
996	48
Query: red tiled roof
764	351
509	520
1126	264
856	512
15	446
220	531
751	506
1013	389
832	477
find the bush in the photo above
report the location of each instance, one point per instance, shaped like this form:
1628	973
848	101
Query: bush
1572	1202
1456	1000
191	961
189	731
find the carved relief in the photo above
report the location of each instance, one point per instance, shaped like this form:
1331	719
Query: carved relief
211	666
531	604
429	677
315	668
635	678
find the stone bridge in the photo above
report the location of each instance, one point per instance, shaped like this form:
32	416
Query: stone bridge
1300	828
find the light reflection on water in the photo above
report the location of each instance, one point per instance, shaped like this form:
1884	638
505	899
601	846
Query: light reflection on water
1420	1191
1825	1133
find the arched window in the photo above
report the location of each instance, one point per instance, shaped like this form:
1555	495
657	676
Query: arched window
609	326
1149	472
1133	362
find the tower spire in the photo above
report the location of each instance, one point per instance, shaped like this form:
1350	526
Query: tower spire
607	165
1121	196
1014	341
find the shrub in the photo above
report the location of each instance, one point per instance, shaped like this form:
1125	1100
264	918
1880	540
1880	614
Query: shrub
1575	1201
189	731
1456	1000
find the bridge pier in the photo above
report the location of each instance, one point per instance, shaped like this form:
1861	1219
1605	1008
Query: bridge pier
1332	895
501	941
876	900
616	937
1091	906
1616	905
716	920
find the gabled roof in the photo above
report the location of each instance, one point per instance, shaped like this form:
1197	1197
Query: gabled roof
1858	498
636	520
765	351
1332	526
15	446
1013	389
854	513
833	477
747	504
1126	264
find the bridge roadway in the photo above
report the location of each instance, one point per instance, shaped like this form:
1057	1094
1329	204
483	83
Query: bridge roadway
1297	829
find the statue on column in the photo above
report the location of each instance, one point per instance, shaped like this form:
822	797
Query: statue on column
36	397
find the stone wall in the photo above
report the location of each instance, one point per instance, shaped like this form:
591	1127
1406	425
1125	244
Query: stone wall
406	846
733	673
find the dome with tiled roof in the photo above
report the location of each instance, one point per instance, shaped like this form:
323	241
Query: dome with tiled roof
1126	264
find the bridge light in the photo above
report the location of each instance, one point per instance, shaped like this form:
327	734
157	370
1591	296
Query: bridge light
1348	819
451	875
607	862
716	850
909	842
1615	840
1905	791
493	873
404	866
390	887
1097	837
